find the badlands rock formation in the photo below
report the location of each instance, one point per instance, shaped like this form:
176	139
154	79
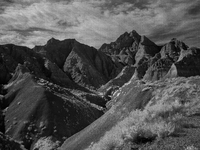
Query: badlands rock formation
125	95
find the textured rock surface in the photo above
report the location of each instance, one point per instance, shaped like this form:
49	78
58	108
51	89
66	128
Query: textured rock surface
89	67
40	112
114	84
7	143
187	64
12	55
162	62
81	63
132	49
124	48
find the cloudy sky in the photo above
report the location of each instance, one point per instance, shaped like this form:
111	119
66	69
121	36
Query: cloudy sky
94	22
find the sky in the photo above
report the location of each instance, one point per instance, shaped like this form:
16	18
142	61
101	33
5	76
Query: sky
94	22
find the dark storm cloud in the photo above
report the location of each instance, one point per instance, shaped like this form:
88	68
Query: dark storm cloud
194	10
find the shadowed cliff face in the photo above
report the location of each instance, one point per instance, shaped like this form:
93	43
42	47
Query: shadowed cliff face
83	64
7	143
132	49
124	49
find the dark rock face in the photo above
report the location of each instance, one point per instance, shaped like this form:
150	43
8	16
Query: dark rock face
56	51
187	65
40	111
160	64
12	55
158	70
81	63
7	143
89	67
126	40
146	50
132	49
172	49
2	125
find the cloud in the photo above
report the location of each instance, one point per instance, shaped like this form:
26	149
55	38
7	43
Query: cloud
94	22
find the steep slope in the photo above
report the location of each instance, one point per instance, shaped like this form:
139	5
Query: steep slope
114	84
162	62
143	114
81	63
147	50
187	65
89	67
119	111
41	114
132	49
124	48
12	55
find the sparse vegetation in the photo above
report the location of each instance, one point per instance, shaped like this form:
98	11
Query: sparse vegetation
191	148
161	117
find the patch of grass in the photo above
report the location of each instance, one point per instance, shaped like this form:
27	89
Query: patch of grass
160	118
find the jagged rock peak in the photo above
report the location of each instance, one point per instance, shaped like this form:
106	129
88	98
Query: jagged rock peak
135	35
52	40
179	43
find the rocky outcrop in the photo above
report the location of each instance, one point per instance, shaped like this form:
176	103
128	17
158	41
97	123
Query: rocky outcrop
147	49
56	51
162	62
12	55
123	77
158	69
7	143
132	49
172	49
124	48
89	67
126	40
81	63
187	64
57	75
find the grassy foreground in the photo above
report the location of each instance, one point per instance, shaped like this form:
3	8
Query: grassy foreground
165	115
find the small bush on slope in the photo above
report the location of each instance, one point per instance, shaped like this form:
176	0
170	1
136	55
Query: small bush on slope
171	101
